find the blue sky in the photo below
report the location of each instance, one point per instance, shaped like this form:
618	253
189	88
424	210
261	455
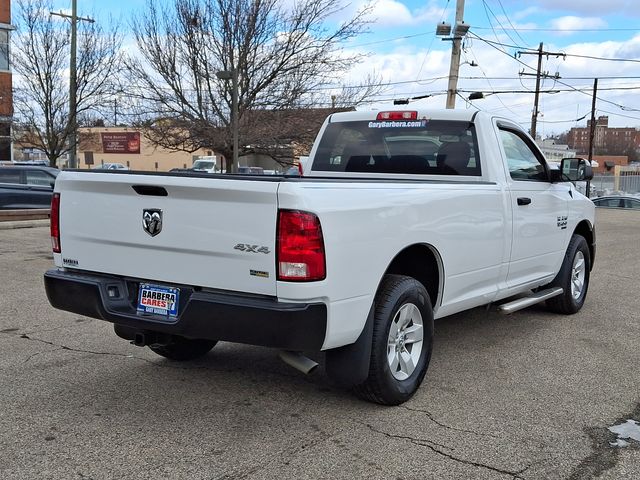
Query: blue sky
405	53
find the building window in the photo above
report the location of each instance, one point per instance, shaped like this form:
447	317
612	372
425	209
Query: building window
5	141
4	49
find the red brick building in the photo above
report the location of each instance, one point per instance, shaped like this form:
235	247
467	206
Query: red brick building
6	99
606	140
607	163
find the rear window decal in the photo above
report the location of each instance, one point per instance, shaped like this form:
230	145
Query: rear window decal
399	124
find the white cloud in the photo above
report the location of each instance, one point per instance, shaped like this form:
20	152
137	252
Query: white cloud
587	7
525	13
404	64
566	24
392	13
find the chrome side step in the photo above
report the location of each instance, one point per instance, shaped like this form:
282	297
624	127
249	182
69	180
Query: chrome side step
532	299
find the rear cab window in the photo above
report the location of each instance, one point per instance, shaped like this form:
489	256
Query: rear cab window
416	147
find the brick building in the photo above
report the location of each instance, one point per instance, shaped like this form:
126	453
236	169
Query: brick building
130	147
607	140
6	99
607	163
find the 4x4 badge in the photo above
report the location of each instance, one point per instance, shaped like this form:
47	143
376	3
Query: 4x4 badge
152	221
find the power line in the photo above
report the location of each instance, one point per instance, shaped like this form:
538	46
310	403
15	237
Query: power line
377	42
622	77
487	9
493	44
563	54
489	82
607	59
426	55
555	90
618	114
565	121
569	29
509	20
424	34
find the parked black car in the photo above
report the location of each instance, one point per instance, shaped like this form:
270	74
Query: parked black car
24	186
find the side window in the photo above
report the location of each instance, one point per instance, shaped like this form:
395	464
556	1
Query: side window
631	203
10	175
522	161
35	177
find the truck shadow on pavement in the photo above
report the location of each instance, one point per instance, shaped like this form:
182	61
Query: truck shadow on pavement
240	373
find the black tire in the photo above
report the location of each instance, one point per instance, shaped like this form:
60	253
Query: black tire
568	303
381	386
181	348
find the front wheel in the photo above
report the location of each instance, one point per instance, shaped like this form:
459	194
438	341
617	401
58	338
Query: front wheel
181	348
402	341
573	277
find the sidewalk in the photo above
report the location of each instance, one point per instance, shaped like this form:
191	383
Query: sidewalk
10	225
26	218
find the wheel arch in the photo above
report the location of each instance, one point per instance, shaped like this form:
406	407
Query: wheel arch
587	230
424	263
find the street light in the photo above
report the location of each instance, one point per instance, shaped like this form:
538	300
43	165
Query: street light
233	76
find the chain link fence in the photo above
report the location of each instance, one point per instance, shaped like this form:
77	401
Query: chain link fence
627	183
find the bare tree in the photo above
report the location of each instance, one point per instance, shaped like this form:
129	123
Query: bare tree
41	50
284	54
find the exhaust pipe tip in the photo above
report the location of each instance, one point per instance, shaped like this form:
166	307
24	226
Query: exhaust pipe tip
139	339
298	361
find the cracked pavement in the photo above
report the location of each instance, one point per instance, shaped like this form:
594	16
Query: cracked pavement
525	396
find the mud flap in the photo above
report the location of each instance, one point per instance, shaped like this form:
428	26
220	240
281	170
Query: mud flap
349	365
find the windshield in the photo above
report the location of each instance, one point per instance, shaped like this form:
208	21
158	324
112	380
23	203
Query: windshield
423	147
203	165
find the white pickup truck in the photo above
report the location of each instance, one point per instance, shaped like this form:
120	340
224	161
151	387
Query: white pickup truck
402	216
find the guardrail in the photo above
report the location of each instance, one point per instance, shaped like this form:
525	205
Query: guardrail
27	214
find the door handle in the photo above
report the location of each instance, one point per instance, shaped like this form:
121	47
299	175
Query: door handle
524	201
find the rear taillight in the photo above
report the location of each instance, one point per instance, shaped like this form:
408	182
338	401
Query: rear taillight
300	171
300	247
55	223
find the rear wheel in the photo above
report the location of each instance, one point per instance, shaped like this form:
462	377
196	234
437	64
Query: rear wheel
402	341
573	277
181	348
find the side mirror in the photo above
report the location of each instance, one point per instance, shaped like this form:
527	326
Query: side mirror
575	170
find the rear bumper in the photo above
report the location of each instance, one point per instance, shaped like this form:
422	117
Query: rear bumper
208	315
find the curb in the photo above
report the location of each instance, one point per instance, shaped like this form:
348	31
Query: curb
24	224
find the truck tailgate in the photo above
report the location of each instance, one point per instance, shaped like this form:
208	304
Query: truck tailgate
216	233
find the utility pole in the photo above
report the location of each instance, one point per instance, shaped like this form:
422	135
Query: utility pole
592	130
73	79
539	74
534	114
454	67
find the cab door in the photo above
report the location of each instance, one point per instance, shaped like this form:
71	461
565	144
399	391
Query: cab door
539	207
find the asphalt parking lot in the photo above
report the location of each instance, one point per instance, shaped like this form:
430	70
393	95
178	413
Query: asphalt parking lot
523	396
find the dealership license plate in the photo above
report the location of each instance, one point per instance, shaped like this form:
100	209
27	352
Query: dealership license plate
158	300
